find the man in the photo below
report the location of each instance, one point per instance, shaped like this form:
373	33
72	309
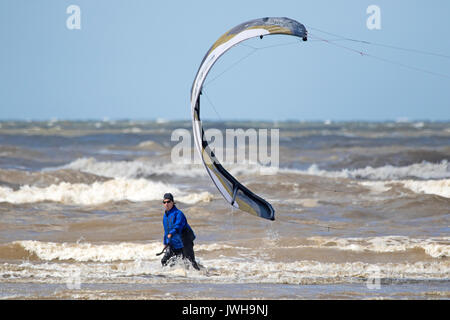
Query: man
178	235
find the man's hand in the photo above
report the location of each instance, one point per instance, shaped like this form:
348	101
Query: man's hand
169	235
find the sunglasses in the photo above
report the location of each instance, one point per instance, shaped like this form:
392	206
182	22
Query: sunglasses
168	201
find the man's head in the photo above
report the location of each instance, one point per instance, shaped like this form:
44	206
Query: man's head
168	201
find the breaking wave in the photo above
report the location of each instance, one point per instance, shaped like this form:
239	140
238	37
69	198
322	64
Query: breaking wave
434	247
422	170
141	168
438	247
134	169
437	187
112	262
84	252
117	189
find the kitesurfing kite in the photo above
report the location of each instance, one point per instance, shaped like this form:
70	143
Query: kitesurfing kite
232	190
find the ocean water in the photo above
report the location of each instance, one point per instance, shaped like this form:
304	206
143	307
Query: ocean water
362	212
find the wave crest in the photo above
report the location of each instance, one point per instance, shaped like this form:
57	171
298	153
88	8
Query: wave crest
117	189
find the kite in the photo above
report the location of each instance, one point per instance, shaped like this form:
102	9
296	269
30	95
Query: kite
232	190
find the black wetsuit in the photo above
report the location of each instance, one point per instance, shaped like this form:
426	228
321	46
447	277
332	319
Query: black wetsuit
187	252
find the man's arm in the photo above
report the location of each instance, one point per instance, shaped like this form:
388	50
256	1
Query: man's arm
179	224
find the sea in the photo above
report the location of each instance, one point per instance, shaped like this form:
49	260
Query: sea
362	211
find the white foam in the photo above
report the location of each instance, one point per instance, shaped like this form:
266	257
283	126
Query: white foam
48	251
139	168
224	270
384	176
434	247
306	271
134	262
117	189
123	251
423	170
133	169
437	187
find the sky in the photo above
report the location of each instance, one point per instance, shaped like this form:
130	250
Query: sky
137	60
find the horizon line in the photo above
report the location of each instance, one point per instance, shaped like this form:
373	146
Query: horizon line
165	120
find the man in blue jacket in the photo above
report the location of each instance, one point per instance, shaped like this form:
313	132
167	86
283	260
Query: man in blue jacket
178	235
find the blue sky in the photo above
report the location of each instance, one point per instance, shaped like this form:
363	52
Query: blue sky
137	60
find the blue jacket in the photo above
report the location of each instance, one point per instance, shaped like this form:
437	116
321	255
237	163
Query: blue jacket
174	223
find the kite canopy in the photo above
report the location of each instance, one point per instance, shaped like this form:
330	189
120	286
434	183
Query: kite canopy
233	191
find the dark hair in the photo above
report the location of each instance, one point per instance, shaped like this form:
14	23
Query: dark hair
168	196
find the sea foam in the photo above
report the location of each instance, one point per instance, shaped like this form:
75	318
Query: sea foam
120	261
143	168
434	247
422	170
117	189
103	252
437	187
134	169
